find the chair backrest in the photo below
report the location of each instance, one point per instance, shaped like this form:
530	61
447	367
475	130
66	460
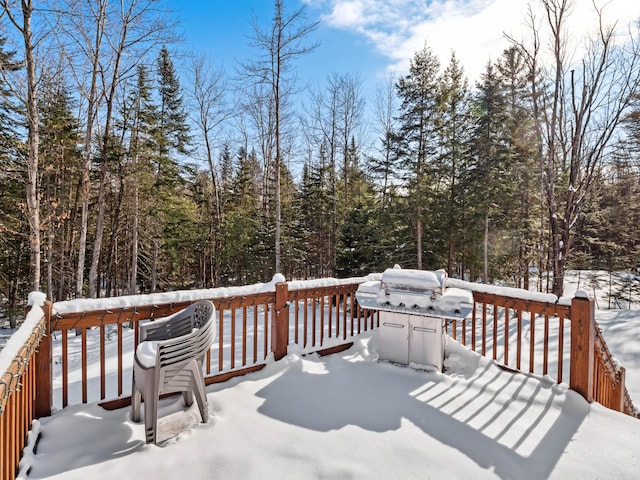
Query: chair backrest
176	325
193	344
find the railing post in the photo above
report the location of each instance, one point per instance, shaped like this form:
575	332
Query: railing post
582	346
44	367
280	322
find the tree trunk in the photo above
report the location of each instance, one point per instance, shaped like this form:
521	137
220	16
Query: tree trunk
419	239
97	244
485	257
33	203
133	279
110	263
276	102
86	164
154	264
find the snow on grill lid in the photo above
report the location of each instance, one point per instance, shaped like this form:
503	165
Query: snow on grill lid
415	291
408	279
456	300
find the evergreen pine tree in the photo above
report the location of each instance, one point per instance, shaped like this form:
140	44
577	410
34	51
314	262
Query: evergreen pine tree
521	192
62	163
241	223
172	130
417	139
487	180
14	226
452	164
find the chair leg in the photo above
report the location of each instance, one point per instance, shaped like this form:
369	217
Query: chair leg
135	402
201	396
151	418
187	396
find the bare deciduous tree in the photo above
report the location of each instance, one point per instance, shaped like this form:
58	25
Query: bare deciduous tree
385	107
278	46
209	95
20	15
331	121
113	39
578	107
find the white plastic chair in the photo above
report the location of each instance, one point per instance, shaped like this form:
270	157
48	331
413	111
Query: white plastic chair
169	359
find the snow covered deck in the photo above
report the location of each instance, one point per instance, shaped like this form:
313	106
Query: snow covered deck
349	416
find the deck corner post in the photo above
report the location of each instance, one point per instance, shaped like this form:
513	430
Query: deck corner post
583	327
44	367
280	322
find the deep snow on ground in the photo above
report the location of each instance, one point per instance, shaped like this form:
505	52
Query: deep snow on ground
350	416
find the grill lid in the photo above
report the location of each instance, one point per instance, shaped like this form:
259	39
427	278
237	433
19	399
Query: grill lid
420	292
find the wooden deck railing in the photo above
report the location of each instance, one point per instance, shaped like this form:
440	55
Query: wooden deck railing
530	335
525	335
19	400
252	327
520	333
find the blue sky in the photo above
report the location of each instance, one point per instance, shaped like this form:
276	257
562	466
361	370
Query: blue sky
376	37
221	29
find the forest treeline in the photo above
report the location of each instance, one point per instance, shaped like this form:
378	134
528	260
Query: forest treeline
128	167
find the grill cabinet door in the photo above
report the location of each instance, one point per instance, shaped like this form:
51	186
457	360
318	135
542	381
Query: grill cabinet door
393	340
426	345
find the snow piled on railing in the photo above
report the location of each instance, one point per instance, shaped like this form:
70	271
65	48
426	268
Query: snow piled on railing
19	339
505	291
128	301
330	282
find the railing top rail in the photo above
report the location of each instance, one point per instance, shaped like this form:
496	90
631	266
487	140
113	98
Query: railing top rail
510	292
65	308
317	291
84	312
516	298
534	306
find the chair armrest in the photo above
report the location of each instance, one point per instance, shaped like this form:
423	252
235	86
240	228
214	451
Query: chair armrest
146	353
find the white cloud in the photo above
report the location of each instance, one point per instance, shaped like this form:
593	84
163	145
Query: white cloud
347	14
474	29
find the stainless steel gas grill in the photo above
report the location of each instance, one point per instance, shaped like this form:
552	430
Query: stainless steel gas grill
413	305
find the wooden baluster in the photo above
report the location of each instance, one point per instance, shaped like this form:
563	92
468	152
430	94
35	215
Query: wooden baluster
322	320
255	333
484	329
313	322
266	330
532	340
244	336
120	359
506	336
473	327
103	386
545	360
306	320
220	338
519	341
232	342
83	333
297	322
560	347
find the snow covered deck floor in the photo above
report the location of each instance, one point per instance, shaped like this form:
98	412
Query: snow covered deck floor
349	416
